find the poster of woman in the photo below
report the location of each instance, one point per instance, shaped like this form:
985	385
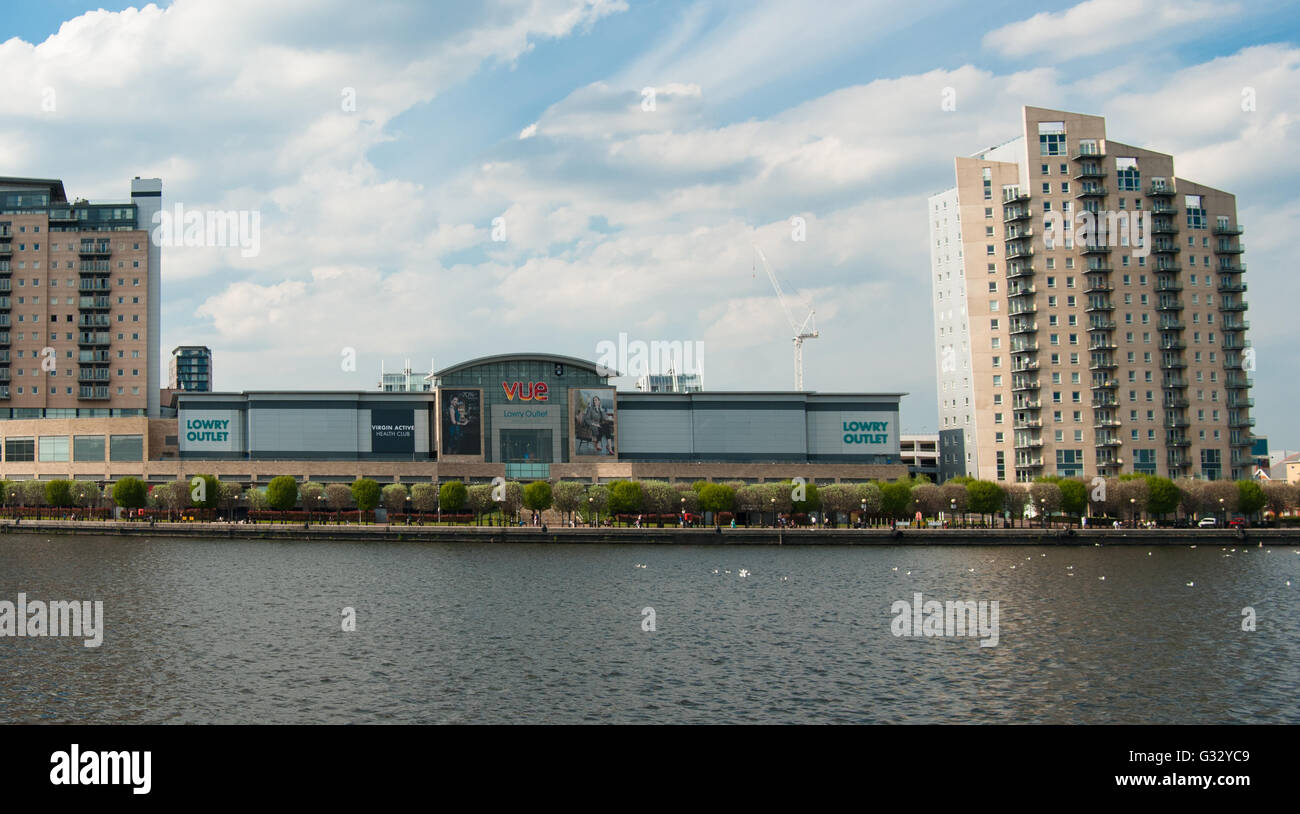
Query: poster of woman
461	421
595	425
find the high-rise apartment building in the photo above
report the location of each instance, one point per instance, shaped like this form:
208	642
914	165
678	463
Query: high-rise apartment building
670	382
408	380
1088	312
79	307
190	370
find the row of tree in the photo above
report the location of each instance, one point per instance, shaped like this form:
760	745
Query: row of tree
1128	496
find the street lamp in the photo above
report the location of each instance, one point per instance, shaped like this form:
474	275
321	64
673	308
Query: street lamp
1042	501
320	504
1132	507
862	519
1221	511
591	507
952	504
772	500
683	512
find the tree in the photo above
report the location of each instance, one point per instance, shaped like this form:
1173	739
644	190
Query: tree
338	497
895	498
1189	495
393	496
985	497
597	499
717	498
954	492
209	497
173	496
365	494
1164	496
452	496
811	499
424	498
130	493
868	495
282	493
85	494
928	499
33	493
1045	497
58	493
312	495
566	495
660	498
256	498
538	496
1134	495
837	499
1279	497
1074	496
514	499
1250	497
479	500
625	497
688	500
229	496
1219	496
1014	499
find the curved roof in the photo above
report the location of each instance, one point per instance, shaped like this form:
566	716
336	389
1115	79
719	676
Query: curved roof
548	358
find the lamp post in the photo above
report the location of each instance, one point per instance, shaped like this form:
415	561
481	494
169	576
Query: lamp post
683	512
952	504
1042	502
1222	512
320	504
1132	508
407	506
862	518
772	500
591	507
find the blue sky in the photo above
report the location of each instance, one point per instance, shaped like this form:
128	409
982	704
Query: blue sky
377	222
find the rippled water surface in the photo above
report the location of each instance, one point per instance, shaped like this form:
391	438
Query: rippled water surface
250	632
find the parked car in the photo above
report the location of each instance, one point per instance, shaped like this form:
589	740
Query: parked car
1237	523
1209	522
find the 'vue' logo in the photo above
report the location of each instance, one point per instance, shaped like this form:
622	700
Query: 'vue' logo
530	391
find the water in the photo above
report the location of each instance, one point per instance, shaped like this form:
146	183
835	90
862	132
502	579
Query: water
250	632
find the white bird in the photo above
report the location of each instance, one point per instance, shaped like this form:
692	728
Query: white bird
972	570
909	573
742	573
1191	584
715	570
1013	568
1288	583
1193	546
784	579
1070	574
895	567
1148	553
1069	568
1103	579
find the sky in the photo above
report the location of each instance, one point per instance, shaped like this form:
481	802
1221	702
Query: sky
442	181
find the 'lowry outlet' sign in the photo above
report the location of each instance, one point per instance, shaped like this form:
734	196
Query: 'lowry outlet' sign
524	391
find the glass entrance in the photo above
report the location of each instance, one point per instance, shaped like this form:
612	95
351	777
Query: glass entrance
526	446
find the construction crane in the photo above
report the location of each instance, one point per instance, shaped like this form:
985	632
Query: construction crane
802	330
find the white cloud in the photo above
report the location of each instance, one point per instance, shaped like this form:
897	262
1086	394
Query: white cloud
1096	26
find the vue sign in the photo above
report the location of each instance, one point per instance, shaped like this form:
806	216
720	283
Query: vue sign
525	391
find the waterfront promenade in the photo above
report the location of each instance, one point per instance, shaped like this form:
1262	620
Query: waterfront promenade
665	536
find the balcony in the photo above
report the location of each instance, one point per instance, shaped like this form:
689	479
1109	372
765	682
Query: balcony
1103	364
1231	288
1109	441
93	374
1160	191
1107	424
1100	399
1011	214
93	357
1020	385
85	303
1241	421
1177	403
1227	231
1169	304
1031	308
1241	402
95	284
1179	442
1168	285
1178	423
1235	325
1102	344
1224	247
93	321
1163	228
1018	232
85	339
1022	291
1019	249
1101	325
1089	171
1236	305
92	393
1105	384
95	248
1174	383
1014	195
1101	266
1028	404
95	267
1091	191
1168	268
1094	248
1024	347
1097	287
1023	328
1231	268
1165	247
1020	270
1173	344
1031	424
1235	382
1172	363
1028	443
1096	304
1163	208
1171	325
1025	366
1089	151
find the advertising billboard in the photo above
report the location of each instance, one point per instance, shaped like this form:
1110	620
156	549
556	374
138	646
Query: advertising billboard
392	431
210	430
460	422
595	422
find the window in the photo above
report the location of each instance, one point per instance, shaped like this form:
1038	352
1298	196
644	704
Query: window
20	449
1051	138
53	448
126	447
88	448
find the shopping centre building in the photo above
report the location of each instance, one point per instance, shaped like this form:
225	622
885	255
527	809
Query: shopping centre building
525	417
